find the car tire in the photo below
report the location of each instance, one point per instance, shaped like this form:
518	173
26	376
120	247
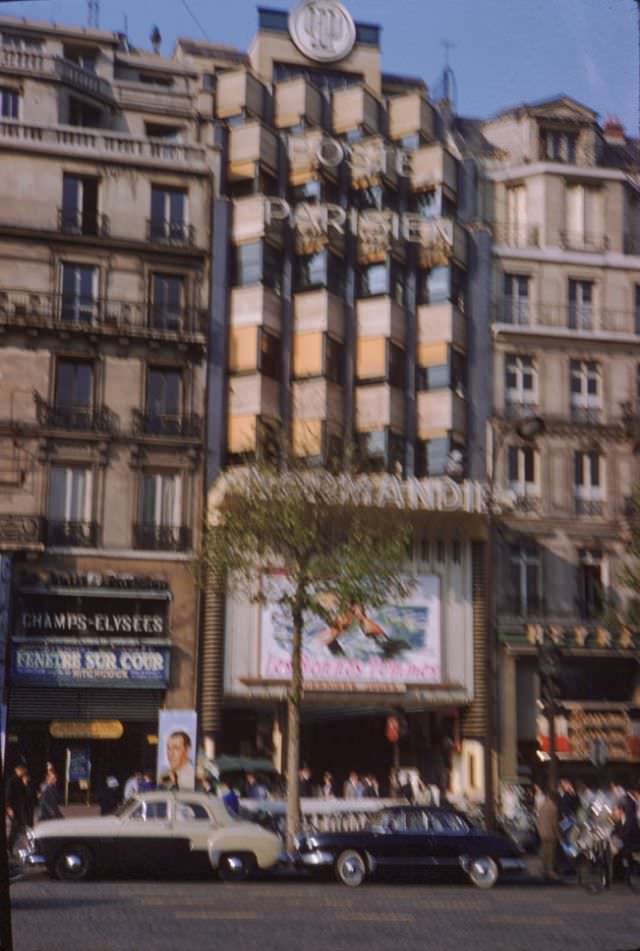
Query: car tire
483	871
236	867
351	868
74	863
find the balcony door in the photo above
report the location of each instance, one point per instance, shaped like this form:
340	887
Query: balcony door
168	215
167	301
581	305
164	398
74	394
160	511
79	213
69	511
79	284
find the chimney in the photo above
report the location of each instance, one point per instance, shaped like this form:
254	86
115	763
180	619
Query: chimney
613	131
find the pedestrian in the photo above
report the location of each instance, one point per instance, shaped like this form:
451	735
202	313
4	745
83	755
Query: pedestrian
109	796
254	789
48	801
305	783
548	830
147	783
353	788
371	790
132	785
327	790
17	803
229	798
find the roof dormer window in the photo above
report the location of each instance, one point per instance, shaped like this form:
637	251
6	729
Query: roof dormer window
557	145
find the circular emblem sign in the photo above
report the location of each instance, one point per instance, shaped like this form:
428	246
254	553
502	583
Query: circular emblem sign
323	30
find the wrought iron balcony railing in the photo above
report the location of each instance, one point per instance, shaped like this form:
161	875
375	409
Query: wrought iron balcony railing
584	241
76	418
61	533
61	311
590	415
162	231
77	222
589	507
573	316
167	424
516	235
149	537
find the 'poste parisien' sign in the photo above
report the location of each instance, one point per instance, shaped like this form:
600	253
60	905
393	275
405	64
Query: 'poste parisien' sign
323	30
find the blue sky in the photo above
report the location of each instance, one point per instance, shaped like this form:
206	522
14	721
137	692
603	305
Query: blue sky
505	51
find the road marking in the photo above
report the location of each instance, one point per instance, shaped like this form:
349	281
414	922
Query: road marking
392	917
219	915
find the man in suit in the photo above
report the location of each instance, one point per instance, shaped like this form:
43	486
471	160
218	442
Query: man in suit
181	773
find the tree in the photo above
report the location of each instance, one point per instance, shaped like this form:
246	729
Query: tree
338	555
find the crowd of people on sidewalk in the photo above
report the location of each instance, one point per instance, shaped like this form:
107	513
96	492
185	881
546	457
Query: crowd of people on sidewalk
560	811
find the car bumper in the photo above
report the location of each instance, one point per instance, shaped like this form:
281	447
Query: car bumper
314	859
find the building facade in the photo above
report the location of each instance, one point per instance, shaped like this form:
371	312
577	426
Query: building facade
107	169
564	332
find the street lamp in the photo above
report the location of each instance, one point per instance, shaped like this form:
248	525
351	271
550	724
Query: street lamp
527	429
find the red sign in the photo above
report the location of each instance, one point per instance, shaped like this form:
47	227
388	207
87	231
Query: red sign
392	729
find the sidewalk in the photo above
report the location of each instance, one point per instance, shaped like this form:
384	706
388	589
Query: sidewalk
78	810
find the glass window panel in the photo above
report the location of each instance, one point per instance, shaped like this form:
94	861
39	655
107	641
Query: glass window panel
148	499
57	493
529	465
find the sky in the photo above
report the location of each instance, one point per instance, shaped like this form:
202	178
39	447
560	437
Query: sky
504	52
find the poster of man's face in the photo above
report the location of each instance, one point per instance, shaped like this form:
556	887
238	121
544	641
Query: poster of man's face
176	749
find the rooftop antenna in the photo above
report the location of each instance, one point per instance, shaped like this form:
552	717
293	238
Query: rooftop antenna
446	88
93	13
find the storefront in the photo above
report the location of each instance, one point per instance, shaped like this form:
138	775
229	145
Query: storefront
90	664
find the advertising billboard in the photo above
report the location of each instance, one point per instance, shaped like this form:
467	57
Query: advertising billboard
177	738
396	644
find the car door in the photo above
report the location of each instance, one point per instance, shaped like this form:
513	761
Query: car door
193	824
449	833
145	840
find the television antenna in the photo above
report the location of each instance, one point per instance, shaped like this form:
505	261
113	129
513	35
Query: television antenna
93	13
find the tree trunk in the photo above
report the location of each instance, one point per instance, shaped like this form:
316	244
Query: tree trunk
293	734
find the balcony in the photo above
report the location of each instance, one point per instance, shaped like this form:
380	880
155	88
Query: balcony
591	507
586	415
81	419
152	424
517	236
97	144
434	166
174	233
409	115
252	147
63	534
19	308
88	83
526	504
296	101
161	537
239	93
577	317
583	241
75	221
519	410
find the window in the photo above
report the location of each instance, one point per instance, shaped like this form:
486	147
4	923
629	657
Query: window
168	293
9	103
164	392
381	450
517	231
258	263
586	396
385	278
270	357
333	360
150	811
190	811
433	455
84	115
581	305
84	58
427	203
440	284
450	374
315	191
526	579
374	198
522	471
320	270
161	500
516	299
588	482
558	146
395	365
168	215
73	394
169	133
585	219
520	381
79	205
69	509
79	303
591	582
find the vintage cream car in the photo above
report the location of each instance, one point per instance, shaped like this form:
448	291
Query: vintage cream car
159	833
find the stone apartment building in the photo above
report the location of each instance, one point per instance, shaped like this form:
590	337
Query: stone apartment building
107	168
565	293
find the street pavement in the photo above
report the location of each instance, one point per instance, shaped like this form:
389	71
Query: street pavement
287	915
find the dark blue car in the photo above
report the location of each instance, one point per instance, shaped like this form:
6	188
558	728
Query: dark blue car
412	839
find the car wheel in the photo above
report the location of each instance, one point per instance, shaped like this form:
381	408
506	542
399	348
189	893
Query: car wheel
236	867
73	864
351	868
483	872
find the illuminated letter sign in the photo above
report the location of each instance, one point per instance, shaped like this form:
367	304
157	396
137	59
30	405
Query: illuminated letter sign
323	30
